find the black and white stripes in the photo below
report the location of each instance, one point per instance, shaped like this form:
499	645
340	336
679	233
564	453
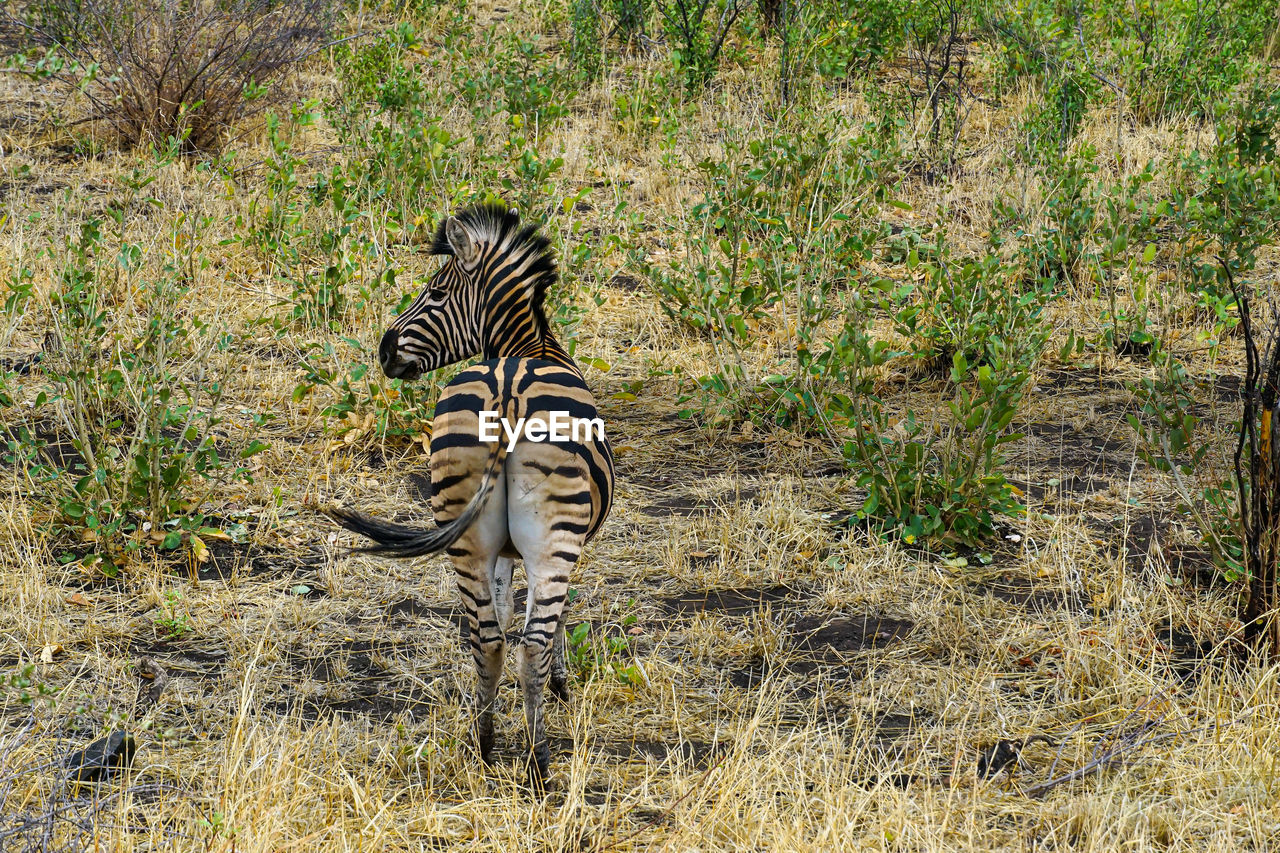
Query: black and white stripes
537	500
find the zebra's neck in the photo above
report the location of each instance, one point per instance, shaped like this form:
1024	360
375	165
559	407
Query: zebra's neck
514	325
535	343
547	349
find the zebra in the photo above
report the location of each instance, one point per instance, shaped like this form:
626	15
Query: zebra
497	501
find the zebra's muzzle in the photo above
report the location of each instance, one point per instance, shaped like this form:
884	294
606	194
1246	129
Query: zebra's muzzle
389	357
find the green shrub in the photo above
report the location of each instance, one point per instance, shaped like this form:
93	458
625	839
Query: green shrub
781	222
1223	209
1064	250
362	406
605	653
938	480
512	74
846	37
1181	57
960	306
697	41
122	428
586	46
632	17
1127	250
402	161
1226	202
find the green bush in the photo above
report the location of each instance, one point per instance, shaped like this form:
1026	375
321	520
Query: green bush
1181	57
632	17
782	222
938	480
121	432
843	38
1064	250
697	38
586	45
362	406
1127	234
960	306
785	228
1223	209
605	653
1225	202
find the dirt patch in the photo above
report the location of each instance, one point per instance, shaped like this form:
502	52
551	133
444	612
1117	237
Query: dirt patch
892	726
1024	593
679	505
1068	449
1195	563
752	676
626	283
22	364
414	608
419	486
376	700
1227	388
409	611
359	658
1188	654
832	637
1138	541
230	560
1086	383
57	449
276	352
696	752
1142	540
1055	488
891	733
731	602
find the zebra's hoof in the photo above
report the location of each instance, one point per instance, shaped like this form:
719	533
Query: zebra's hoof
539	768
484	746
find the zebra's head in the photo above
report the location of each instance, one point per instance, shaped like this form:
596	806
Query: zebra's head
487	298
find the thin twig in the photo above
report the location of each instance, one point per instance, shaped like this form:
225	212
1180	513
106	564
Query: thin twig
1121	747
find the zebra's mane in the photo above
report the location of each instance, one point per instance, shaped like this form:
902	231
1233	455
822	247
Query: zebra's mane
497	225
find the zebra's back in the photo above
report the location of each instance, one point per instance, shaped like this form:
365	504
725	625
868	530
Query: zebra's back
515	388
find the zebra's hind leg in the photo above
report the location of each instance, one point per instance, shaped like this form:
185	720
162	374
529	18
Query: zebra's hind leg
548	585
559	678
488	642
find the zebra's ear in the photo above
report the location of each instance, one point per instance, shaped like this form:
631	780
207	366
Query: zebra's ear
464	248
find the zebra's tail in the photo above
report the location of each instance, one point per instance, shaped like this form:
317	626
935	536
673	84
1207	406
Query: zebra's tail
402	540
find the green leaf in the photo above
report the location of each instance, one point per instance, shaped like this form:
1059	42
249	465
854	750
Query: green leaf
255	447
1065	352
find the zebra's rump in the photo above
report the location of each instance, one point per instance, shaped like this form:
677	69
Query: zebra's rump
514	388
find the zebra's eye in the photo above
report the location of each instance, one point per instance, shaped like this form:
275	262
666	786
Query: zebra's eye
436	294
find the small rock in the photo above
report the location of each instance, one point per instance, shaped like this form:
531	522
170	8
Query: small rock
101	759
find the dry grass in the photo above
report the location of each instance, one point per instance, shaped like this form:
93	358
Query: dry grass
802	688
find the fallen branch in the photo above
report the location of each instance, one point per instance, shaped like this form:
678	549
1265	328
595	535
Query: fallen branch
1118	747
